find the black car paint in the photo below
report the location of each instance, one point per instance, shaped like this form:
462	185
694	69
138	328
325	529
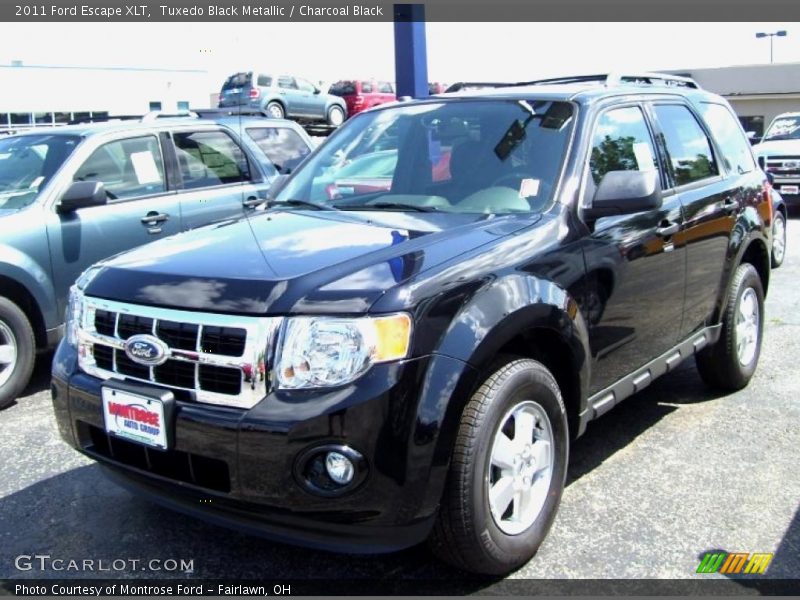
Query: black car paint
590	302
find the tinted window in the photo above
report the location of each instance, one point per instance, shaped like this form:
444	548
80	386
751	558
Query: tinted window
366	87
238	80
688	149
343	88
128	168
384	87
20	118
470	156
155	105
287	83
264	81
282	146
725	128
209	158
621	142
27	163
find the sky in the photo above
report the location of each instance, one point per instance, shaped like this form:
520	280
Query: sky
456	51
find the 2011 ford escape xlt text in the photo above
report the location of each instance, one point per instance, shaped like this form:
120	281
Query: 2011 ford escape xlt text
374	361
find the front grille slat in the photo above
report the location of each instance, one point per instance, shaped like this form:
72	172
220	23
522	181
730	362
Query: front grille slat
211	358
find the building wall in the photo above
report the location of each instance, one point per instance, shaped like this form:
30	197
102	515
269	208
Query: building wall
57	93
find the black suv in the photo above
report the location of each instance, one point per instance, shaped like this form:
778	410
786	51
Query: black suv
379	360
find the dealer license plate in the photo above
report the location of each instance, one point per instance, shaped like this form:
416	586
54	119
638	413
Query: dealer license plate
134	417
790	189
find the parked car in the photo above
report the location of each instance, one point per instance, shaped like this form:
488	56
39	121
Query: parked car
282	96
367	372
70	196
361	94
778	154
436	88
781	214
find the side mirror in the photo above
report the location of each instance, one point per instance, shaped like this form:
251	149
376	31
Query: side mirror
82	194
276	186
317	90
625	192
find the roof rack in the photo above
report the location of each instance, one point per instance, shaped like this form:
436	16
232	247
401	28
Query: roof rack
611	79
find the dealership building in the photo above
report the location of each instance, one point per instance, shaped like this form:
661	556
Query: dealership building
758	93
45	95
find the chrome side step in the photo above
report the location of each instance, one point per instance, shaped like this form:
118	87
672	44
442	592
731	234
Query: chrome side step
603	401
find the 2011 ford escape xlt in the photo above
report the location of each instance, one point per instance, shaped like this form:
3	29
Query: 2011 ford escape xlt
409	359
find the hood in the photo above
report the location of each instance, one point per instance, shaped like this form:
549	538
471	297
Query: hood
777	148
283	261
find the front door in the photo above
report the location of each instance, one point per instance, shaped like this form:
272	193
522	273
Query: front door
636	264
140	208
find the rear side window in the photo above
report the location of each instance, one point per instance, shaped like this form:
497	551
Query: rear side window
282	146
264	81
384	87
238	80
128	168
343	88
735	148
621	142
366	87
209	158
688	149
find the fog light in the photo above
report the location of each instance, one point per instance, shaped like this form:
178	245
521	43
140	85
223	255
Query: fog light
339	468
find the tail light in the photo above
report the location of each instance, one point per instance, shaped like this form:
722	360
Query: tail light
768	198
254	93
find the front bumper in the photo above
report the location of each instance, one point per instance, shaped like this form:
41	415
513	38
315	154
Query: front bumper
236	467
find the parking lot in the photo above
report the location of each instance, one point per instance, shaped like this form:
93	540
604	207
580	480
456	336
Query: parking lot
672	473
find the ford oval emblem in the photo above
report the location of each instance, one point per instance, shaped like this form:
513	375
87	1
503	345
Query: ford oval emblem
146	350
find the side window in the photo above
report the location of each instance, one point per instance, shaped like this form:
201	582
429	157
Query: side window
128	168
366	87
264	81
287	83
384	87
621	142
688	149
735	148
304	86
282	146
208	158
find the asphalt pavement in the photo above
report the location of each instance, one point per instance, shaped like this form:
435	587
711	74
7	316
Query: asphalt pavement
668	475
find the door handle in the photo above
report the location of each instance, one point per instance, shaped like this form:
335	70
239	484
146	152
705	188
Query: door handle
252	202
668	229
154	218
729	205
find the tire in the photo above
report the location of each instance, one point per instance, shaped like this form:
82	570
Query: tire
778	240
730	363
275	110
469	533
335	116
17	351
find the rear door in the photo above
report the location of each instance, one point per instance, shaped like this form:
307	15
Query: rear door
636	264
215	178
141	207
287	90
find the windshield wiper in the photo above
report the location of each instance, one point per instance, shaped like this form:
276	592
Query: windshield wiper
388	206
301	203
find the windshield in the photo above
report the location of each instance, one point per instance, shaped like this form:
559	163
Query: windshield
784	128
27	162
466	156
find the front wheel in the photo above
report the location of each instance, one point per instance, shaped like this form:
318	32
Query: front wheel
778	239
17	351
335	116
507	471
730	363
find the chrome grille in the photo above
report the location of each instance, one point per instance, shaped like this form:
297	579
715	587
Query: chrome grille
218	359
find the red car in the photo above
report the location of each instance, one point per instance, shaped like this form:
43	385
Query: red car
363	94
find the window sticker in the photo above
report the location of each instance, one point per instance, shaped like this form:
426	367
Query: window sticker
529	188
145	167
644	157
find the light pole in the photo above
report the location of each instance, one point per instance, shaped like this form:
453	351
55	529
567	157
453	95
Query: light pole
781	33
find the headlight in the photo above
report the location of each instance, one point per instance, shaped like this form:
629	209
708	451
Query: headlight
326	351
74	316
